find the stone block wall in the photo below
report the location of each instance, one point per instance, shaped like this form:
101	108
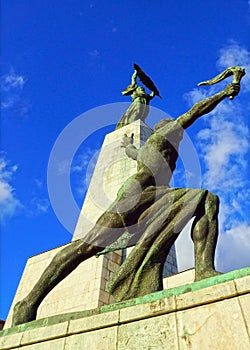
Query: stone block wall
212	314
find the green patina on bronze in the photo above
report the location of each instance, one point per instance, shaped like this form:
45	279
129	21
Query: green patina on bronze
152	216
139	108
49	321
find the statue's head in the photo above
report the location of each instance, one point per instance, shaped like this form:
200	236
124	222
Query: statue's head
140	90
162	123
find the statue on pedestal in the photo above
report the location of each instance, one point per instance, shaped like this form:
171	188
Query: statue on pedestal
139	108
150	216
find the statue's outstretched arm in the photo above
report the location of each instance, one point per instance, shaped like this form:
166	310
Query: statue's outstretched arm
130	149
207	105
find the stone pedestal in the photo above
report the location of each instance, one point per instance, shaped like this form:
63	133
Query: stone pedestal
209	314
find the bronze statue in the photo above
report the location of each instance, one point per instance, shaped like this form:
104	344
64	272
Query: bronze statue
139	108
153	223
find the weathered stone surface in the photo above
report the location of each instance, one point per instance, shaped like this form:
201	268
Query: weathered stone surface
150	309
174	322
179	279
243	284
45	333
10	341
203	296
57	344
103	339
214	326
153	333
94	322
244	301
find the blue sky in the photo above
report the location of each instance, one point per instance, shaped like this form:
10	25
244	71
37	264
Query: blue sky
62	59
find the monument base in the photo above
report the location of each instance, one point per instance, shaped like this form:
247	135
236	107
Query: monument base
210	314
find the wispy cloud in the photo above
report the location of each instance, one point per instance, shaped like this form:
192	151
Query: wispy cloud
9	203
93	58
94	53
39	206
39	203
82	169
235	55
12	85
11	80
234	247
63	167
223	146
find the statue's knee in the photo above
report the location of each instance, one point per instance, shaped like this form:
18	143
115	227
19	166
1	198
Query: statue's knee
60	257
200	197
212	199
67	253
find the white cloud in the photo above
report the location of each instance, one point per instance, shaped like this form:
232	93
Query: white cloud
9	203
235	55
11	80
185	249
39	206
223	146
234	247
12	97
224	143
94	53
39	183
92	58
7	103
63	167
82	169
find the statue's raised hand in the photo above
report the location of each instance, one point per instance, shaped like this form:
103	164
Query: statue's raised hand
232	90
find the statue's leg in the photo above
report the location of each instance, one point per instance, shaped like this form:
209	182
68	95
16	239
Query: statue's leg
107	230
108	227
161	224
64	262
204	234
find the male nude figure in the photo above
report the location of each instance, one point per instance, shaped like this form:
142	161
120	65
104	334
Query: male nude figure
157	211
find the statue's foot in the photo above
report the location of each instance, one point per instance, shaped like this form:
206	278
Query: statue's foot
23	312
206	274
